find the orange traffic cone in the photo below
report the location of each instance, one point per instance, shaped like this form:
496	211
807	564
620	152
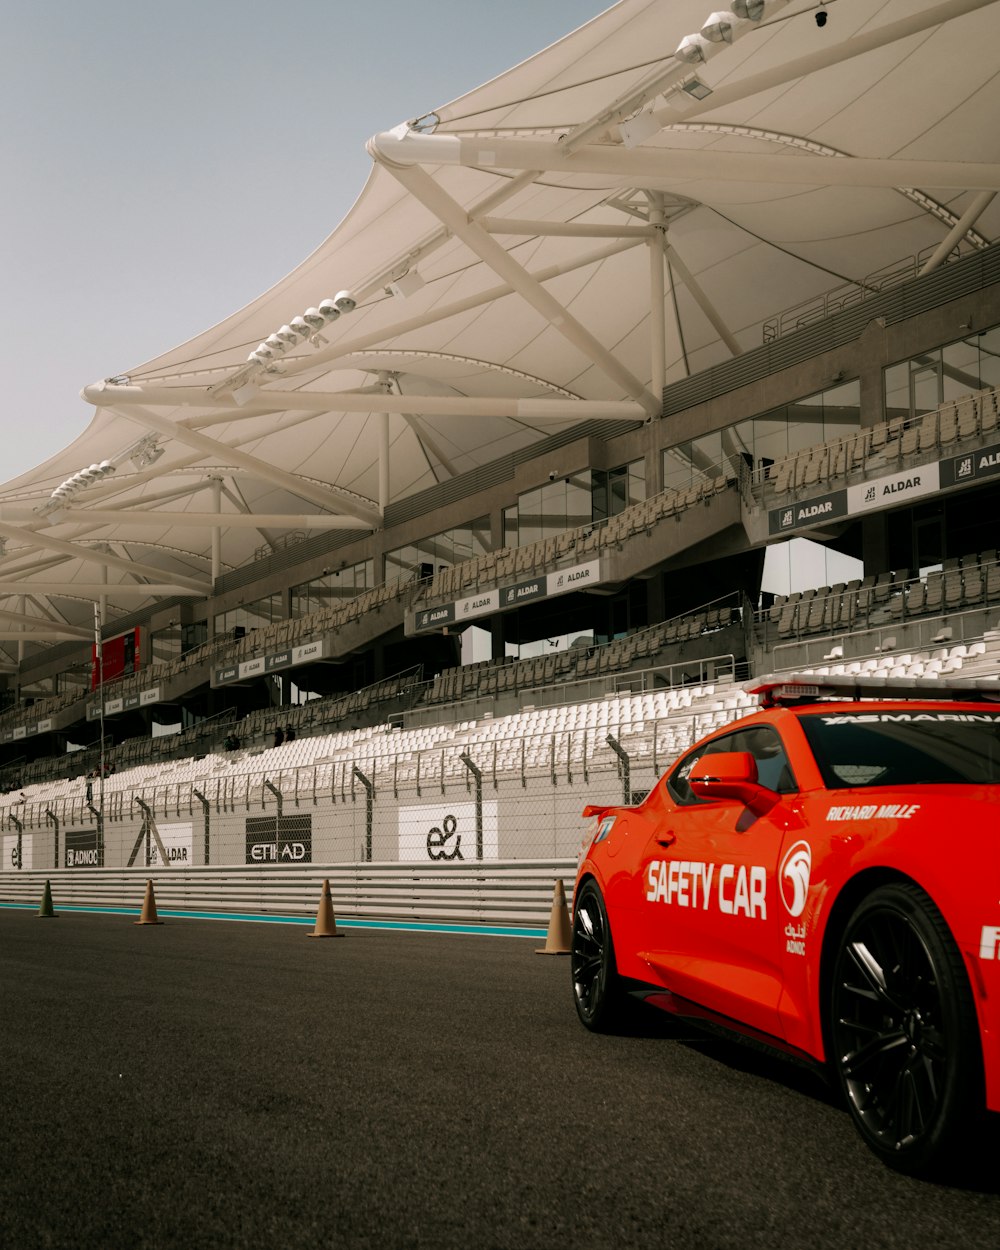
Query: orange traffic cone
326	922
557	940
45	907
149	907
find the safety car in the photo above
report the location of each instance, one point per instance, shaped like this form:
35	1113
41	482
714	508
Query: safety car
822	876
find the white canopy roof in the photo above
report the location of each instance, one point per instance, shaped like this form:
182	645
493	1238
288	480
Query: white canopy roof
549	249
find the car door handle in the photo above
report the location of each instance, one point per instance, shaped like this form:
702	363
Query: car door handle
666	839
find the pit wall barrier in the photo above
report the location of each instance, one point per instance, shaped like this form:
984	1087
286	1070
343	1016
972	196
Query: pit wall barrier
508	897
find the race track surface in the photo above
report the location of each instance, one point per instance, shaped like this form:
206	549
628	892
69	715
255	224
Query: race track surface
213	1084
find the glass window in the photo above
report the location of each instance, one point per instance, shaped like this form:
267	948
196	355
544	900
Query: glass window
332	588
760	441
916	386
439	551
614	490
904	748
249	616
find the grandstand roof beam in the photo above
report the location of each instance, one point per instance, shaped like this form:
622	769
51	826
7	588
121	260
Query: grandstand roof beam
325	497
424	189
701	299
93	555
831	53
657	294
64	634
454	309
958	231
656	168
67	631
90	590
554	409
210	520
428	444
572	229
385	274
233	493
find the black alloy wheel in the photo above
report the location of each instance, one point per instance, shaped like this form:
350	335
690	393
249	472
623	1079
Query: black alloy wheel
597	990
903	1030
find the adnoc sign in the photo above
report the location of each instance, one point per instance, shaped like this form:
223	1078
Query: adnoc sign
544	586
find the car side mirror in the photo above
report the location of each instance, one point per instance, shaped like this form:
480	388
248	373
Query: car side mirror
731	775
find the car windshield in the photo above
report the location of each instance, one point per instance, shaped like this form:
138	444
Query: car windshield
904	747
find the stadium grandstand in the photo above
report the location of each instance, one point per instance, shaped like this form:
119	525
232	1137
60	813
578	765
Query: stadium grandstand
667	358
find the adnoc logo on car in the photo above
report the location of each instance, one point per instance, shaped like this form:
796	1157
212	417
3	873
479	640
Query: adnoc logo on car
793	878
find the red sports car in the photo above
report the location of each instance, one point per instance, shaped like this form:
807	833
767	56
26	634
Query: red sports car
824	876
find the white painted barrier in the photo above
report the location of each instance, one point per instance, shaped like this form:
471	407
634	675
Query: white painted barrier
515	894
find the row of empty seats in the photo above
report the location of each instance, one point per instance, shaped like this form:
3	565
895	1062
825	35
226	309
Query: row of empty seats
560	744
277	636
961	658
576	663
586	541
888	443
962	582
650	727
488	570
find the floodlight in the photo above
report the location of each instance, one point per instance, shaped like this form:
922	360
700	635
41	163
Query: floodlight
691	49
345	301
752	10
329	309
719	28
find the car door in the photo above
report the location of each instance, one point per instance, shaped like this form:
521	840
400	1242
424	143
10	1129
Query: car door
712	923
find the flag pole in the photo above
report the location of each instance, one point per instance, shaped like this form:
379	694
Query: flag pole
100	694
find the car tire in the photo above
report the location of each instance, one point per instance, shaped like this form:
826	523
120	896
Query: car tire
903	1031
597	987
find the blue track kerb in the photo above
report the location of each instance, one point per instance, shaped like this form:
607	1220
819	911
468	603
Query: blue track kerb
402	926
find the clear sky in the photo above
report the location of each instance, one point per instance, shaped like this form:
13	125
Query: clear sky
166	161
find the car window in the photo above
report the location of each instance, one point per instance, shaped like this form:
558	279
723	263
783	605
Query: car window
761	741
904	747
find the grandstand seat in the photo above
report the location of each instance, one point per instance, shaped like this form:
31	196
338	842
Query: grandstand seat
986	406
927	432
948	430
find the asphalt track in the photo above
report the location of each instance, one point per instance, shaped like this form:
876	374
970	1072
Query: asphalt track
213	1084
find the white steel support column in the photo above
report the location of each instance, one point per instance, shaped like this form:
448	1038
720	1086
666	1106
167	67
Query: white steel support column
969	218
442	312
134	568
657	294
831	52
702	300
129	398
103	597
121	399
383	445
423	188
216	530
383	460
24	622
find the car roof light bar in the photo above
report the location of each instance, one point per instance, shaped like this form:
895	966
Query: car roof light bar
788	688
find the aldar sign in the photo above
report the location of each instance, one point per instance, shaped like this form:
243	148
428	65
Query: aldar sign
178	842
446	832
